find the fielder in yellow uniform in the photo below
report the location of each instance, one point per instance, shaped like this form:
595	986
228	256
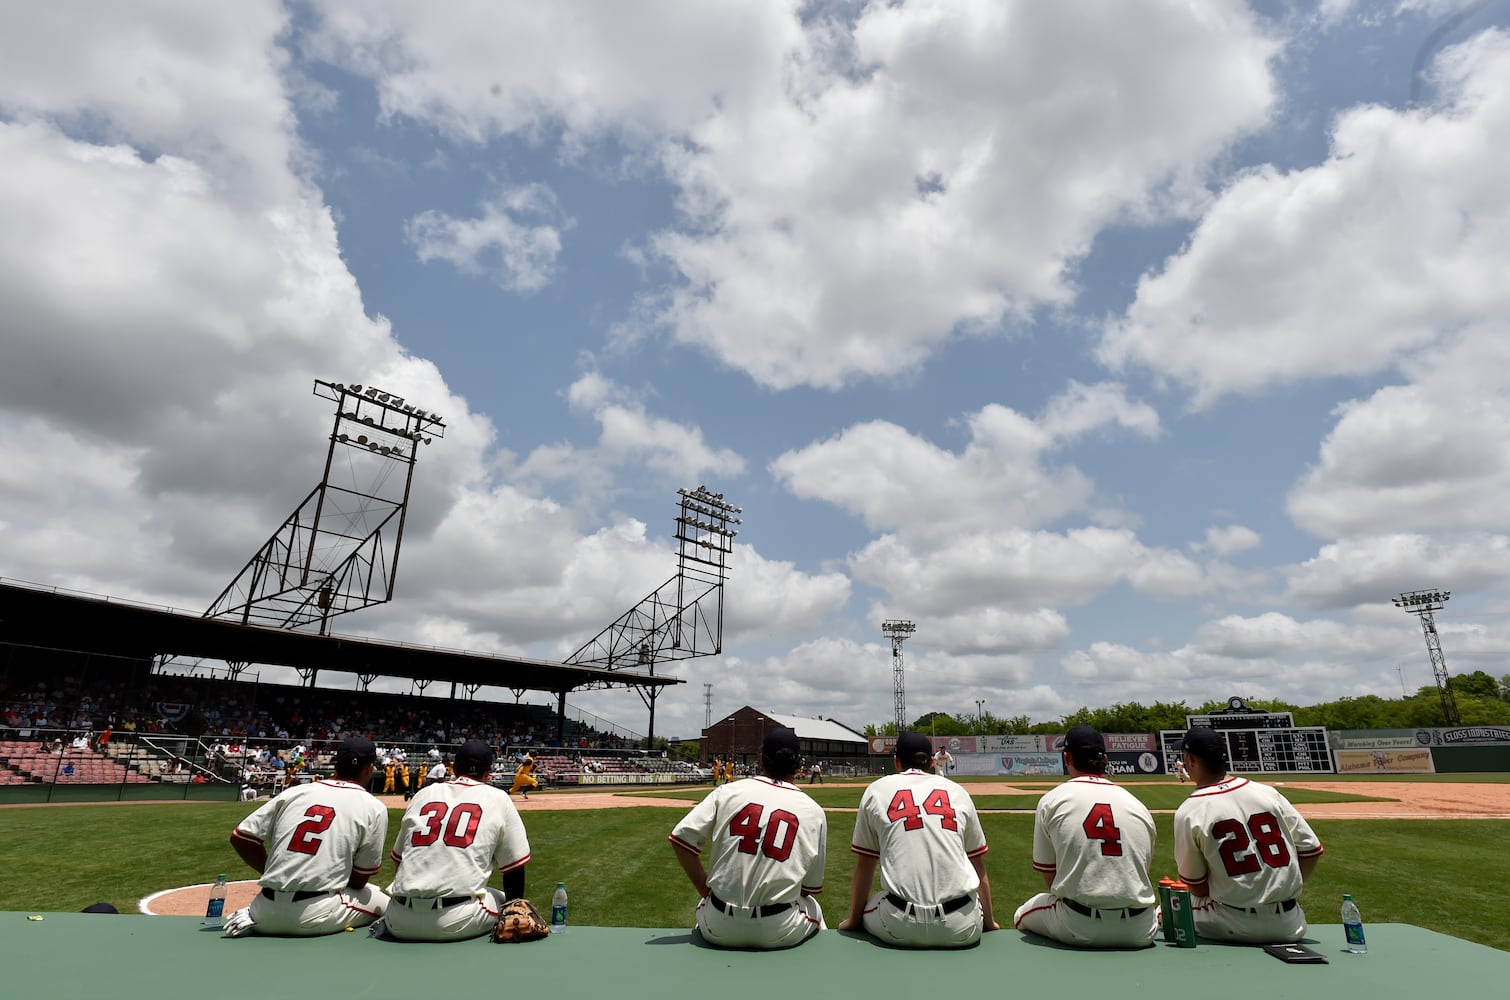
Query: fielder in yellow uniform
524	779
388	775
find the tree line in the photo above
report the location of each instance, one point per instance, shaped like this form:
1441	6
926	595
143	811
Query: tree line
1481	700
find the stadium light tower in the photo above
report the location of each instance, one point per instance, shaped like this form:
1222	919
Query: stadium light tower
1423	603
338	551
684	617
898	630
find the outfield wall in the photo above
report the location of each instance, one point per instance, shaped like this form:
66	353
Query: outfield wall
1425	750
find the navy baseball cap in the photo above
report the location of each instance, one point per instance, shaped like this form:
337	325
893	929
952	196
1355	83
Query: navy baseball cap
474	754
356	750
910	745
1084	738
1206	744
780	739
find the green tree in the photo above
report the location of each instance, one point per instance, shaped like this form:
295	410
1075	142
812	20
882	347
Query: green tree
1476	685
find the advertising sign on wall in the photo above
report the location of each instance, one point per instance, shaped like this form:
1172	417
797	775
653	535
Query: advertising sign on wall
1459	736
1133	762
1030	763
1384	762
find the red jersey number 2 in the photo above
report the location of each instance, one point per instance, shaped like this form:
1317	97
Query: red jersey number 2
905	808
306	839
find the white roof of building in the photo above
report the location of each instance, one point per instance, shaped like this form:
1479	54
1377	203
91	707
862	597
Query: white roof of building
817	729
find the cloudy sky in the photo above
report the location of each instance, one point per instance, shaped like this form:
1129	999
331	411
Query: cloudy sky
1132	350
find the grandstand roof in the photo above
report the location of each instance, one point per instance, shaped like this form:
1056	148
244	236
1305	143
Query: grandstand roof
49	618
817	729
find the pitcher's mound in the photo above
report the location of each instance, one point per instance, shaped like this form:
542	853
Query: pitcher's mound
192	900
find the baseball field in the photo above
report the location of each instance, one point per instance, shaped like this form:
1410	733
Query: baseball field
1445	874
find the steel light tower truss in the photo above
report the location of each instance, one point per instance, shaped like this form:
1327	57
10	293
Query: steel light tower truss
1424	604
898	630
338	551
683	618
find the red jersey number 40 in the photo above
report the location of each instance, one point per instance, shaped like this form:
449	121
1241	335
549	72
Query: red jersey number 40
905	808
774	838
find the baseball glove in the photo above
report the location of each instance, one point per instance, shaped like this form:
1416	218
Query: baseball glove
519	921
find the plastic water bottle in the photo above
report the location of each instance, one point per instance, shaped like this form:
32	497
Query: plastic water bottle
558	909
1352	925
214	913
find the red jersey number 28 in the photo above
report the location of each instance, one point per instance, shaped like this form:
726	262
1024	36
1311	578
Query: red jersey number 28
905	808
1267	843
306	838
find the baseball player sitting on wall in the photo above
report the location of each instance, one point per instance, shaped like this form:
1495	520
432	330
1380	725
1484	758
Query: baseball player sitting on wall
315	846
921	830
767	841
1243	850
1092	843
451	838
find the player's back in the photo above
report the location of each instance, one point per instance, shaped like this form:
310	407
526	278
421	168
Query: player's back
925	830
453	835
315	834
767	840
1102	839
1242	828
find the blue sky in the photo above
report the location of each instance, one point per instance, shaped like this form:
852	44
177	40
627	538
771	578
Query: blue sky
1134	351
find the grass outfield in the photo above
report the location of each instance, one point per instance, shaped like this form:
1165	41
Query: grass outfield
1446	875
1152	796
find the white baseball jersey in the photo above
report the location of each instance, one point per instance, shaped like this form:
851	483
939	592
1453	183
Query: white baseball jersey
317	835
942	760
767	840
451	838
924	829
1246	839
437	773
1097	840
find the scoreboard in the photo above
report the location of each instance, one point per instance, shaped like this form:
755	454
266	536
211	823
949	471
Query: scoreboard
1292	749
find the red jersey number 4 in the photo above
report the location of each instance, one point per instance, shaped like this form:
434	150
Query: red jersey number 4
1100	824
904	807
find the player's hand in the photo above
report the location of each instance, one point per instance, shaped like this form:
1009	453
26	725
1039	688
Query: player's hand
992	926
239	924
847	924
